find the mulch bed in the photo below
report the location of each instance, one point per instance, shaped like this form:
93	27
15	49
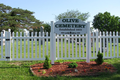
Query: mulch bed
83	69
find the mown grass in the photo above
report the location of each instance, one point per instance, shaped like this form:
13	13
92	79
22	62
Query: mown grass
10	71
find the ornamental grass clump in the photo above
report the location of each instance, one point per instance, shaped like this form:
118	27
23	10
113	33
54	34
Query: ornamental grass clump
47	64
72	65
99	59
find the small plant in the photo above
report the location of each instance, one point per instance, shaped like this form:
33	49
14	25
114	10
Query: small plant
107	68
91	69
50	71
63	71
72	65
38	70
47	64
43	71
99	59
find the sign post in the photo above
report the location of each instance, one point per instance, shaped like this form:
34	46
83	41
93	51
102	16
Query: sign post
88	45
52	43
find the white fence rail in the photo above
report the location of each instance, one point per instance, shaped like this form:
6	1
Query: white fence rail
35	47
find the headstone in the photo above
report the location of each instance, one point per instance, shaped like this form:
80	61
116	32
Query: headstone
41	30
92	40
3	39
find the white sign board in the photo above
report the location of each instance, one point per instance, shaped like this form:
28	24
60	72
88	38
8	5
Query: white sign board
70	26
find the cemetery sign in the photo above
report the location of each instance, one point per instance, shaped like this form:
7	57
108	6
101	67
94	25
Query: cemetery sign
70	26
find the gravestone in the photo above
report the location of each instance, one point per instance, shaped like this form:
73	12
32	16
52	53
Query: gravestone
92	40
41	30
3	36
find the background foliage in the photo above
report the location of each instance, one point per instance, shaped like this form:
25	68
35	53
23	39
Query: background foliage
106	22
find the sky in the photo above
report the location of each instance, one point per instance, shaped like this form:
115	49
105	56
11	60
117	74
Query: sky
46	10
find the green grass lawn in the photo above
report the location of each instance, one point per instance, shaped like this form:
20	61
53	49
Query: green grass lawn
10	71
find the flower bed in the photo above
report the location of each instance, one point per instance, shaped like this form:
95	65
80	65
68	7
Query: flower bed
83	69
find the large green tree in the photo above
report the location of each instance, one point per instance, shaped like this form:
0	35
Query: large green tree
73	14
15	18
106	22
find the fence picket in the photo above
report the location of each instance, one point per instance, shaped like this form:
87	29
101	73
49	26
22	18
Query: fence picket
65	46
21	45
76	45
47	42
103	44
72	48
39	45
114	43
110	46
79	46
43	46
107	43
17	45
32	43
97	45
83	44
35	45
93	46
61	46
100	43
13	46
28	46
24	46
58	46
69	45
117	45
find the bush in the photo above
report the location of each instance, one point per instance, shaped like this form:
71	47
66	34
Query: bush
47	64
99	59
72	65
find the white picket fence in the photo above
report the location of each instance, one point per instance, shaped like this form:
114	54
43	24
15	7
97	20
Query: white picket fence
67	46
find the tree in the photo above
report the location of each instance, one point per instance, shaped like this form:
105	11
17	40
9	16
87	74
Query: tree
47	27
15	18
73	14
106	22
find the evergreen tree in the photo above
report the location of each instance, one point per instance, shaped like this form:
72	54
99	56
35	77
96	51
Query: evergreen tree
15	18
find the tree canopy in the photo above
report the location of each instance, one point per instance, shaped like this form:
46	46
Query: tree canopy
106	22
15	18
73	14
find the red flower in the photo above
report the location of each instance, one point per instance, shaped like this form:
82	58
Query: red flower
70	71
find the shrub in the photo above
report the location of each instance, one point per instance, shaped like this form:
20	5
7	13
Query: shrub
43	71
39	70
99	59
47	64
72	65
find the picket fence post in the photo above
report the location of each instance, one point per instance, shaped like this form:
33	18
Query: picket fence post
8	45
52	43
97	43
88	45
